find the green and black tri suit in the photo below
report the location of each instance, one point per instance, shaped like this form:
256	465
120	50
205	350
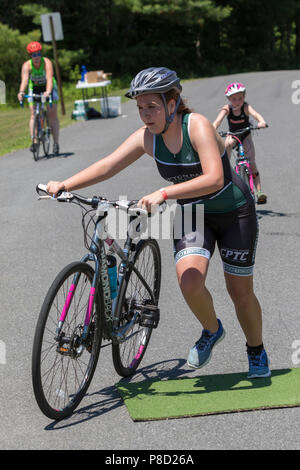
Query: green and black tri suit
229	214
38	82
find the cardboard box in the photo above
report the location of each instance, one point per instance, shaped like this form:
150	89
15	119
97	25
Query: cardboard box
96	76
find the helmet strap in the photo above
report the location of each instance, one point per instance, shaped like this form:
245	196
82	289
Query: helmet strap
169	117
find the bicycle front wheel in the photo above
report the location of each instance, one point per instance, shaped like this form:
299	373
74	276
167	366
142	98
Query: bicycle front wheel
36	141
46	134
65	354
129	350
244	175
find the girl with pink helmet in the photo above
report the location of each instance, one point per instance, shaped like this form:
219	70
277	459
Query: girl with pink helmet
238	112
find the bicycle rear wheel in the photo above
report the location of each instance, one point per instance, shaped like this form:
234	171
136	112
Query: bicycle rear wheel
63	363
129	350
36	141
46	134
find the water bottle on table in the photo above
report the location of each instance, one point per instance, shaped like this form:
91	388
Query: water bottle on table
83	73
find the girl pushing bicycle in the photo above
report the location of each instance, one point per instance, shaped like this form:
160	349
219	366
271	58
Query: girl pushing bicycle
191	155
37	74
238	112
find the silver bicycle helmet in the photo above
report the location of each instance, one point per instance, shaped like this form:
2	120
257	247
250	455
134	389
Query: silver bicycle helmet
156	80
153	80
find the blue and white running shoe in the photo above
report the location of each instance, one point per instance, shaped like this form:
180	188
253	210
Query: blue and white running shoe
200	354
258	364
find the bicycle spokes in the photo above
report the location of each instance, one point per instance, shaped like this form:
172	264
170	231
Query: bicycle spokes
67	348
139	314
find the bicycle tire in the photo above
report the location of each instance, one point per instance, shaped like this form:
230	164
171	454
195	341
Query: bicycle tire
128	354
243	173
36	140
59	380
46	134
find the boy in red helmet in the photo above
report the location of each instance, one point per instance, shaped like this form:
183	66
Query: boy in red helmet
37	73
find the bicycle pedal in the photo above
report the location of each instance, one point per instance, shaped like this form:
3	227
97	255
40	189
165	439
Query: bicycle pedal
150	316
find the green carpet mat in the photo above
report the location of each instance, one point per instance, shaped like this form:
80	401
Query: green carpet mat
210	394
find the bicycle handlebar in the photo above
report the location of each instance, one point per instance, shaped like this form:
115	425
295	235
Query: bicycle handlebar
98	202
38	97
241	131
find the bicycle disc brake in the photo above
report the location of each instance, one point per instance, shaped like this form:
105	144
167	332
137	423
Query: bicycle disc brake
71	346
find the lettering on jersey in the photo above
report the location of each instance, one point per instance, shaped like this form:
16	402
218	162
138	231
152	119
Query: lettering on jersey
235	121
38	79
182	178
235	255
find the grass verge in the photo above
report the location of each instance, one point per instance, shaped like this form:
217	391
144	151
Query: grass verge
14	122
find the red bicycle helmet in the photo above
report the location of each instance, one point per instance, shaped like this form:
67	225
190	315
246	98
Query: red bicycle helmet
33	47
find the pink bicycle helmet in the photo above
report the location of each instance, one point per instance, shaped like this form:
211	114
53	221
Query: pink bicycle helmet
234	88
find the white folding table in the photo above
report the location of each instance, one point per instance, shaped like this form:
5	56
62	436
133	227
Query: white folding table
85	87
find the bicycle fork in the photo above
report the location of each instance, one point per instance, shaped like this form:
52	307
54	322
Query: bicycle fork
248	171
242	161
74	345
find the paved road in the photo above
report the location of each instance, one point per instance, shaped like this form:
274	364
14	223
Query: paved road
38	238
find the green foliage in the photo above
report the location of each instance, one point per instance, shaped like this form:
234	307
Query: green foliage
69	64
194	37
12	55
35	11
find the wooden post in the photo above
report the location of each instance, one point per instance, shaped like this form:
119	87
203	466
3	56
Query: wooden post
57	66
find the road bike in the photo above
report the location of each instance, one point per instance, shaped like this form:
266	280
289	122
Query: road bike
242	163
41	128
86	306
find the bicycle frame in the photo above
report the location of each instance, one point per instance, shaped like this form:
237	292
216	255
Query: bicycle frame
242	160
97	254
41	128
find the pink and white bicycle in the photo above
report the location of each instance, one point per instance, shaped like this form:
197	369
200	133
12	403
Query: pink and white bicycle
242	163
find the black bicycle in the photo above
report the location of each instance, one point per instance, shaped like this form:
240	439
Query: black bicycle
86	305
41	127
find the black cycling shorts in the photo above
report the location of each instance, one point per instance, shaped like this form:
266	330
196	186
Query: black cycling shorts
234	232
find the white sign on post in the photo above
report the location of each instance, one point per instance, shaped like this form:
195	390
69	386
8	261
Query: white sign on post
2	92
46	30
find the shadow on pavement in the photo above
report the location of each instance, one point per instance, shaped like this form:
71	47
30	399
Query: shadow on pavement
59	155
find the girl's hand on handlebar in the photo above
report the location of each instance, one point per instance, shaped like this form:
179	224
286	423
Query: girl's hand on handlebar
262	124
55	187
151	201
